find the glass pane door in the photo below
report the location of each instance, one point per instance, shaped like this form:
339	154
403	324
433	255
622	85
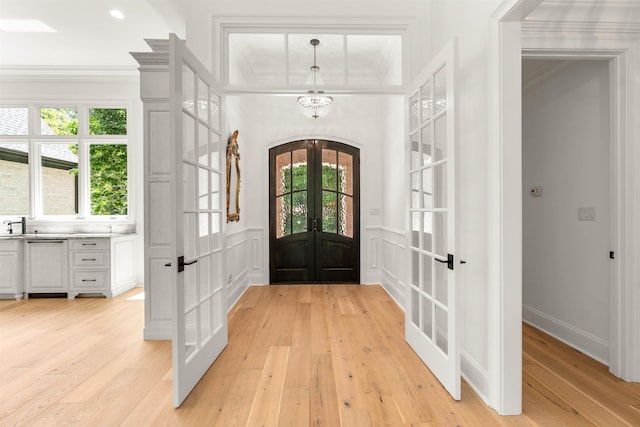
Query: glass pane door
431	314
200	329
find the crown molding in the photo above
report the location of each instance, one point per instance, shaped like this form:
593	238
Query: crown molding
280	24
613	11
574	29
63	73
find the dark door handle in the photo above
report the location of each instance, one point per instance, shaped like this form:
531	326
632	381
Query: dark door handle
449	261
181	263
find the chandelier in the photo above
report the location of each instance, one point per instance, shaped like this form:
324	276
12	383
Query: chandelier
315	104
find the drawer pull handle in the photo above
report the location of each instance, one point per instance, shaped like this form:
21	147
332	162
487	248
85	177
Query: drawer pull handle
88	280
88	244
88	259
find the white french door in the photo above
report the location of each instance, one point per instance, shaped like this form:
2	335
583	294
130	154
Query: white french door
199	300
431	314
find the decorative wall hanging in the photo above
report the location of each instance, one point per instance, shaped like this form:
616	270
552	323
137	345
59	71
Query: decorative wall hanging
233	178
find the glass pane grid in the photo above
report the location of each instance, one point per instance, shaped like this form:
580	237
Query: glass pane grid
440	90
414	111
426	315
188	89
192	332
426	142
415	162
426	107
15	121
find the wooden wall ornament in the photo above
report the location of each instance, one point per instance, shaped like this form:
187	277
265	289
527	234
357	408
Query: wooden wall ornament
233	178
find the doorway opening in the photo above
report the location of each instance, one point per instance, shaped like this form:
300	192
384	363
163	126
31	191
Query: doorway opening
567	201
314	212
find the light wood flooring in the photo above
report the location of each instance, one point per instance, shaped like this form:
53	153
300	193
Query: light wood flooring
297	356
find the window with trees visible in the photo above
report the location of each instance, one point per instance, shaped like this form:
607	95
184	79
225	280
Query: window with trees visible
73	159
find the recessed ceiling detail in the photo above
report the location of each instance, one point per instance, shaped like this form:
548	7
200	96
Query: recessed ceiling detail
281	59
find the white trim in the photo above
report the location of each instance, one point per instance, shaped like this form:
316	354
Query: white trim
505	231
34	73
548	42
583	341
505	270
474	375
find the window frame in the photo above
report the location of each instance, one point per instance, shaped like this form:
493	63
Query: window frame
34	140
225	26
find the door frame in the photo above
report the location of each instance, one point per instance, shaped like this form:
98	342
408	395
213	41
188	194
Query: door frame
505	207
364	202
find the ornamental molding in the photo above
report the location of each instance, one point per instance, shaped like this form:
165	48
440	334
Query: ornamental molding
570	29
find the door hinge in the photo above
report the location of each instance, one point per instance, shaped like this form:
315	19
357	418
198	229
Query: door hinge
612	255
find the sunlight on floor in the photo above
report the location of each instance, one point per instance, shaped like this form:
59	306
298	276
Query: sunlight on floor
139	296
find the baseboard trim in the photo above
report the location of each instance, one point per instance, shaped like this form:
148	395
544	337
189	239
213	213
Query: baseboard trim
574	337
157	333
475	375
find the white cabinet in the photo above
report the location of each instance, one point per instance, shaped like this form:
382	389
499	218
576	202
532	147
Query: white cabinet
71	265
10	268
101	266
46	266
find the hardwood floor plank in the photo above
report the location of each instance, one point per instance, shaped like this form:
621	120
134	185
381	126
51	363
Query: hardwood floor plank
265	408
295	407
236	405
316	355
299	370
323	401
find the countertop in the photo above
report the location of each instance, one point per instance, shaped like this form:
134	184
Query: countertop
44	236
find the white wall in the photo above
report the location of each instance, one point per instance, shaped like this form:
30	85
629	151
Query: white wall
265	121
57	88
392	254
566	143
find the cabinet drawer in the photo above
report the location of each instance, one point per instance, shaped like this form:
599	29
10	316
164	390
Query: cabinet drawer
90	280
9	245
89	244
95	259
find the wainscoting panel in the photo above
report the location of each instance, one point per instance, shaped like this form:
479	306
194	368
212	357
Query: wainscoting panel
245	263
258	265
236	266
387	263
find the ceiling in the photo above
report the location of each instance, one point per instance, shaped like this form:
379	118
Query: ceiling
87	35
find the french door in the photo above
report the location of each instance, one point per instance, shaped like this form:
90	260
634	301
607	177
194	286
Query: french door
314	211
199	301
431	315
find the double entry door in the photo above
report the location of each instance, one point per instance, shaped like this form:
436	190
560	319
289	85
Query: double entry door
314	213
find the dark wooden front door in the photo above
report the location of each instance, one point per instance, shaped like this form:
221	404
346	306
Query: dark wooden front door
314	213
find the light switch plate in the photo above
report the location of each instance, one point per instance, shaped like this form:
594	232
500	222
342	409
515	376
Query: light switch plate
587	213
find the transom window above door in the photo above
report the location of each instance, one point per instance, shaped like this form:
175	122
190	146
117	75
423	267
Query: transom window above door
283	59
